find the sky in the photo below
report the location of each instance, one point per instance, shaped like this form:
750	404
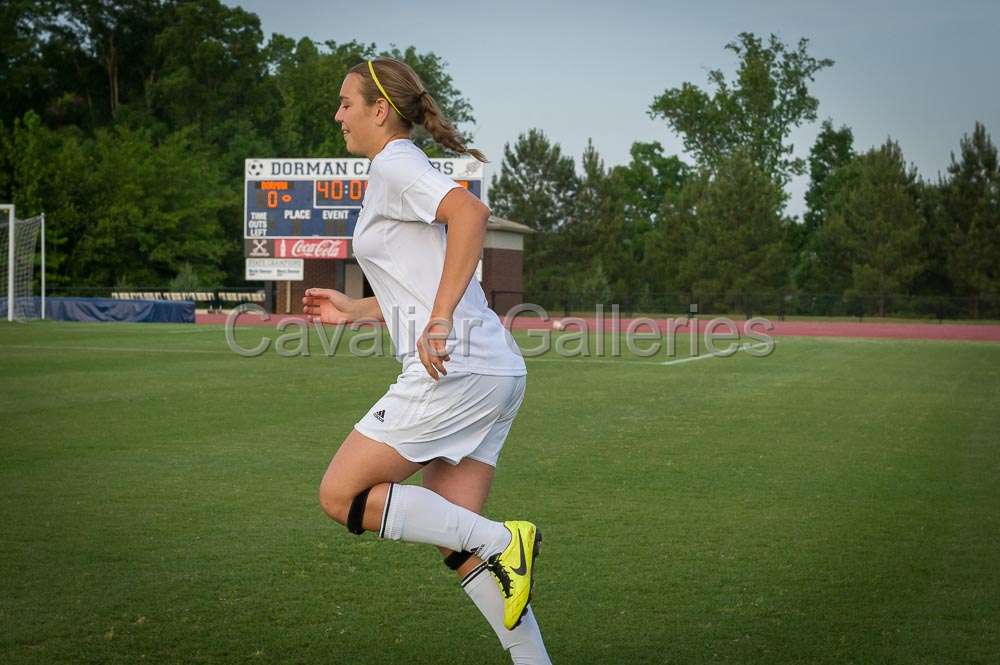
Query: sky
920	72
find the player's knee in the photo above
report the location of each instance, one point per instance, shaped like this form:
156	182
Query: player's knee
342	507
336	504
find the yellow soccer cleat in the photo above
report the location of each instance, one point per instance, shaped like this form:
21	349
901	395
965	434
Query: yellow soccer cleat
514	569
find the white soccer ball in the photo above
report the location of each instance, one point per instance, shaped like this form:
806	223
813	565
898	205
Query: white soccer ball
557	324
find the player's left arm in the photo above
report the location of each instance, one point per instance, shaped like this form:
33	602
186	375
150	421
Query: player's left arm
466	218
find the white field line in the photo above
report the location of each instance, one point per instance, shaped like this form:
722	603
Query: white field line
591	360
717	354
651	363
109	349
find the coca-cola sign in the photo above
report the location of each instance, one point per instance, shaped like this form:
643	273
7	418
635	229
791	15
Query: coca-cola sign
310	248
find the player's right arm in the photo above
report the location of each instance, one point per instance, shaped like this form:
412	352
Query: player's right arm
333	307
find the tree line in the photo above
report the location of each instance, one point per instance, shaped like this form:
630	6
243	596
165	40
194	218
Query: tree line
127	122
659	233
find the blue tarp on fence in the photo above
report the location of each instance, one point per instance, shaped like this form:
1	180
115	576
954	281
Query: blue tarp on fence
106	309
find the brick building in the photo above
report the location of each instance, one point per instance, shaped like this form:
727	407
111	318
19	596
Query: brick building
499	272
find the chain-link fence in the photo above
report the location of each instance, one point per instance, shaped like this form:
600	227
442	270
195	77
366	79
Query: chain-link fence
774	304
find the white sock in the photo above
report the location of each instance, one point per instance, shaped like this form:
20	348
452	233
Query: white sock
524	642
417	515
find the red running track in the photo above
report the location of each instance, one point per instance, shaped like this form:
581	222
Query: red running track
943	331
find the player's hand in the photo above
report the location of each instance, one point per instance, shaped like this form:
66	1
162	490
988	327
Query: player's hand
328	306
431	346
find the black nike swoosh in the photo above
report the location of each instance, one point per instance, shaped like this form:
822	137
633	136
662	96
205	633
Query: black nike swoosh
523	568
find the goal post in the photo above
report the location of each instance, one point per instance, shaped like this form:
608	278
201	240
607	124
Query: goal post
43	265
11	221
18	260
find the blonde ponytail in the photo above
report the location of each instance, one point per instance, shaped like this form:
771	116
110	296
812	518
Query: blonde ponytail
405	92
441	130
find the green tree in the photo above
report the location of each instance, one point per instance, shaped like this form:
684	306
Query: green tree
24	80
937	240
115	35
90	57
210	69
187	279
723	234
308	84
592	241
833	148
972	206
582	227
121	208
162	203
49	174
871	239
824	264
642	186
755	114
647	179
536	186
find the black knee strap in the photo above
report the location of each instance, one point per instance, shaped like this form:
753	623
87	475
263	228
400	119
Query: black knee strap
456	559
357	512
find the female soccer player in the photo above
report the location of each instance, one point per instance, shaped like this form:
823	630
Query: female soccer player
462	378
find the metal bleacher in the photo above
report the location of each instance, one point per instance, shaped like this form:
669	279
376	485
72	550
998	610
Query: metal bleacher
214	300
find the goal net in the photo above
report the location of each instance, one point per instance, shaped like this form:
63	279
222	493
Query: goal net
21	282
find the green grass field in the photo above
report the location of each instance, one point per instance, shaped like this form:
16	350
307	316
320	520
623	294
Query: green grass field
835	502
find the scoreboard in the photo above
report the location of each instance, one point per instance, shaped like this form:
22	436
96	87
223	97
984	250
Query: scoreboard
307	208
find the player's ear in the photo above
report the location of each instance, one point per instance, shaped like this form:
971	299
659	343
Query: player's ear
381	111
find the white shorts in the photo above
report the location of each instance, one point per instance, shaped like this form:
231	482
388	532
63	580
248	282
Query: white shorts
462	415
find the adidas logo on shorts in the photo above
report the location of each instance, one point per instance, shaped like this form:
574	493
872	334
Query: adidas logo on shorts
380	416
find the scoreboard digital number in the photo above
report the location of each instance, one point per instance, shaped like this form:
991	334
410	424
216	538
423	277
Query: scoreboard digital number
314	199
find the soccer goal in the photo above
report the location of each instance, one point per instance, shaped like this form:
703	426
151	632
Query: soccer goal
22	246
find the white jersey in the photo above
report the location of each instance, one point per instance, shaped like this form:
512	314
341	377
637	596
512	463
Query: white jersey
401	252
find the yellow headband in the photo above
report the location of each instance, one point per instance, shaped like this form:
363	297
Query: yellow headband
371	68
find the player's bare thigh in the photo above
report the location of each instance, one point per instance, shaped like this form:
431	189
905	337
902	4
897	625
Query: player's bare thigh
466	484
361	463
